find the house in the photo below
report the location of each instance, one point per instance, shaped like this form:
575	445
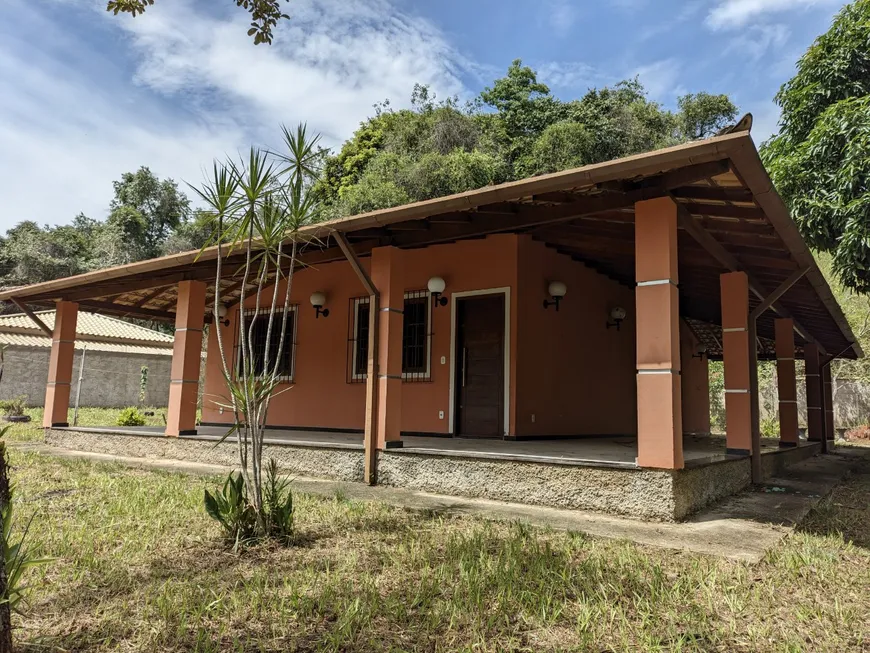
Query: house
114	354
544	341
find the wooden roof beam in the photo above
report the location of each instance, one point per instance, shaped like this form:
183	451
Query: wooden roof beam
717	251
33	317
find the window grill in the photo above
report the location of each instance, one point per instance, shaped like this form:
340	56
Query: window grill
259	321
358	340
416	338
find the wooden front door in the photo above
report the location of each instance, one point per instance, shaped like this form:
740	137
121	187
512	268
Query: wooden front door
480	366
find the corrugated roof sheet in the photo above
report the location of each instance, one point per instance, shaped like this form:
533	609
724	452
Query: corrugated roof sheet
21	340
91	325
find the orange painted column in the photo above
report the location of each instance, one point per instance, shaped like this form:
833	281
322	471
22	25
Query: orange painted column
60	365
186	359
828	398
386	274
734	294
815	406
659	407
786	382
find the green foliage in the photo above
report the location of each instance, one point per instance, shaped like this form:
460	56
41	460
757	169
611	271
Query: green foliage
143	384
14	407
15	555
514	129
147	217
233	510
820	160
702	115
131	417
265	14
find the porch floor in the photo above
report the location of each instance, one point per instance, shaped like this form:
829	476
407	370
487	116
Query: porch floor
603	451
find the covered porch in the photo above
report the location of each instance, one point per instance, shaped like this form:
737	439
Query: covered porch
602	294
602	451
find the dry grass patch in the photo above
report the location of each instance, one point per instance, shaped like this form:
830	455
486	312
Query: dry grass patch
140	567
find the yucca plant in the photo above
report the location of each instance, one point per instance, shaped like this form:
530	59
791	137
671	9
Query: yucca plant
258	206
15	556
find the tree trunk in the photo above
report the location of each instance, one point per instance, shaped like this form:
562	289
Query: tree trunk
5	614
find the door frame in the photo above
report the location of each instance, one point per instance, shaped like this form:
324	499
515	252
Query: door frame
506	291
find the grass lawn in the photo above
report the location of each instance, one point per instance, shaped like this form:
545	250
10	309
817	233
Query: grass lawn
139	567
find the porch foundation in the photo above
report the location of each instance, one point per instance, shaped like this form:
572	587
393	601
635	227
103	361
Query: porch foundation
652	494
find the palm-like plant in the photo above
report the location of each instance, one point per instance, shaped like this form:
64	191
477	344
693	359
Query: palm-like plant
259	205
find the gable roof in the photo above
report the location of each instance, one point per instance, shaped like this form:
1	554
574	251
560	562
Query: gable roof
731	218
93	331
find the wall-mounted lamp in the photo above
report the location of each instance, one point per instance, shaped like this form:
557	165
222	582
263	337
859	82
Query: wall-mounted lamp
557	291
222	315
436	286
700	352
318	299
617	315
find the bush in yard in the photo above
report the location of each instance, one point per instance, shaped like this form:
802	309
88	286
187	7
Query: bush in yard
131	417
14	407
232	509
858	434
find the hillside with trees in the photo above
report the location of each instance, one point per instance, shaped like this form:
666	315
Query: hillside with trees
513	129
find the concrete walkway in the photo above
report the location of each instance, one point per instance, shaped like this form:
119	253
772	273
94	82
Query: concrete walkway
742	527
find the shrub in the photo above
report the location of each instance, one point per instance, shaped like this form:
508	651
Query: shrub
131	417
231	508
14	407
769	428
858	433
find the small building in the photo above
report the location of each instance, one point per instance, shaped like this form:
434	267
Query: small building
114	353
542	341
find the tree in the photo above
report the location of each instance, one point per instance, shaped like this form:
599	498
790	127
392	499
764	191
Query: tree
32	254
258	207
265	14
146	210
820	160
702	115
515	128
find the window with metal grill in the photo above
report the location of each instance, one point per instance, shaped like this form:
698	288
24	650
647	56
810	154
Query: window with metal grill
260	327
416	338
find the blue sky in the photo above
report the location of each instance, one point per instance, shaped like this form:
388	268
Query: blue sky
85	96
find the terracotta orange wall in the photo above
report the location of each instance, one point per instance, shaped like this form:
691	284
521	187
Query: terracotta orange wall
320	396
695	385
575	376
572	373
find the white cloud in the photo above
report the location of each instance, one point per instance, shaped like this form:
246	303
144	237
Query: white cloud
737	13
755	41
561	16
660	78
574	75
76	120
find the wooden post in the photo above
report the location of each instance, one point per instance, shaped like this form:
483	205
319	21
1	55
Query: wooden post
371	419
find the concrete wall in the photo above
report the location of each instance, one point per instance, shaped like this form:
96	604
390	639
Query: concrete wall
111	380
